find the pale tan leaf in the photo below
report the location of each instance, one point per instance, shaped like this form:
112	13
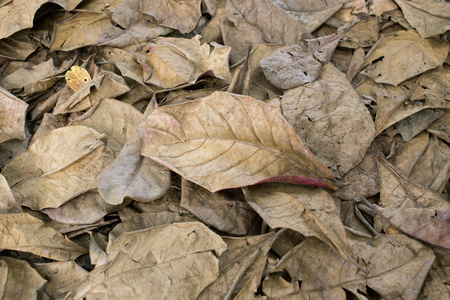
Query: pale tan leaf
174	261
428	17
22	232
182	15
309	18
57	167
133	176
255	21
414	124
310	211
331	120
62	277
18	280
8	204
402	55
363	34
227	141
125	62
12	117
226	211
97	248
378	7
48	123
18	46
19	14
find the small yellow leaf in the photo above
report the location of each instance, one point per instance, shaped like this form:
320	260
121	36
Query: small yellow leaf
76	77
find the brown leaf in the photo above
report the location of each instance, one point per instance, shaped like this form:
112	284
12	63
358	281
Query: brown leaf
12	117
441	126
62	277
258	21
226	211
22	232
378	7
429	17
18	46
310	211
363	34
8	204
227	141
57	167
331	120
125	62
181	15
402	55
172	261
19	279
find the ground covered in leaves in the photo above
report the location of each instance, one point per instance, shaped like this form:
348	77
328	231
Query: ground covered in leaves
224	149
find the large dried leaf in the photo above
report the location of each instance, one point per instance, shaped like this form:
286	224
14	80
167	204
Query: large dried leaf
133	176
402	55
22	232
16	273
176	61
12	117
310	211
182	15
174	261
258	21
413	209
18	46
8	204
58	167
19	14
227	141
428	17
226	211
331	120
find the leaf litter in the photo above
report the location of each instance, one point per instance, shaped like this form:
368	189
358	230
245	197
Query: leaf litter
224	149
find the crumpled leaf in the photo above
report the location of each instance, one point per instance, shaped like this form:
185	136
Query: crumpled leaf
181	15
61	277
19	14
307	210
331	120
244	258
22	232
428	17
173	261
126	62
12	117
378	7
227	141
402	55
176	61
15	273
258	21
414	124
57	167
76	77
226	211
413	209
8	204
18	46
363	34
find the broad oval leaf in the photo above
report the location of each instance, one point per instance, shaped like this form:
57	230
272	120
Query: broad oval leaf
227	141
12	116
76	77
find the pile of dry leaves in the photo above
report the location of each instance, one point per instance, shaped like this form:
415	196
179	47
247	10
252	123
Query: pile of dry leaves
224	149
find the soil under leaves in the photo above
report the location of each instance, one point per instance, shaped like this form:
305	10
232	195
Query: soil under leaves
224	149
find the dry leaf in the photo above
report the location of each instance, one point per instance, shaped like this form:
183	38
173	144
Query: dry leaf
378	7
12	117
331	120
57	167
414	124
407	153
310	211
181	15
227	141
8	204
23	232
76	77
15	273
428	17
402	55
226	210
18	46
126	62
173	261
363	34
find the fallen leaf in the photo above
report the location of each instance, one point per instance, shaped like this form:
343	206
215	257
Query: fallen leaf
226	210
363	34
408	153
12	117
378	7
310	211
57	167
172	261
315	108
14	273
76	77
414	124
8	204
23	232
402	55
18	46
227	141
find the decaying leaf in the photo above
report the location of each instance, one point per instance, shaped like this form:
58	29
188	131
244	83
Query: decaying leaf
12	117
58	167
402	55
227	141
22	232
76	77
15	273
7	202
